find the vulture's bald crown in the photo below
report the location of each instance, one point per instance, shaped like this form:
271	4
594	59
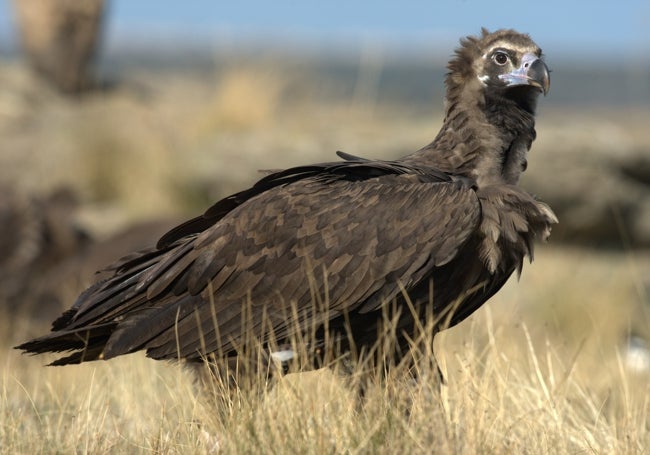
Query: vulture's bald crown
323	250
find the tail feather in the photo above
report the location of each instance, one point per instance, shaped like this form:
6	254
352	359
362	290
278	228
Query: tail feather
88	343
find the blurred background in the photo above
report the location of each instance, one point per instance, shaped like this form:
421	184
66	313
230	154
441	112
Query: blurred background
120	118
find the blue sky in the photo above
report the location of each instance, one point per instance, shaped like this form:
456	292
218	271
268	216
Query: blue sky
560	27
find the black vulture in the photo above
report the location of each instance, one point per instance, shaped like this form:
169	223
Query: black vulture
324	249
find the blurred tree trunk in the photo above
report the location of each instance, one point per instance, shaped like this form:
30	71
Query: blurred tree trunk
60	39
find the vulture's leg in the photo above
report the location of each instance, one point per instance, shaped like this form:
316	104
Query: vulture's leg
222	379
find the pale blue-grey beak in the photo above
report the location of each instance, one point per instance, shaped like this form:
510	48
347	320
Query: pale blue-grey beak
532	71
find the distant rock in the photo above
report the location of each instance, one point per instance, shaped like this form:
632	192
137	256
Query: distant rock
47	257
596	176
59	286
38	232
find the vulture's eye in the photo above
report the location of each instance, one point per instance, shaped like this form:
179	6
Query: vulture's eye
501	58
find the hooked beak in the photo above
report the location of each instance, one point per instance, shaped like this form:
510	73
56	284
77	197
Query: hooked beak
533	71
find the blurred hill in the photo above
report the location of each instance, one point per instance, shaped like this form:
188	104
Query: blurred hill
406	77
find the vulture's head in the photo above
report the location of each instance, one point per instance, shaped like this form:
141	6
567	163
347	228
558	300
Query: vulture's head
503	65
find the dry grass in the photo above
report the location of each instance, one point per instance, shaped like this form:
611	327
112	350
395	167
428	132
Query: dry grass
521	378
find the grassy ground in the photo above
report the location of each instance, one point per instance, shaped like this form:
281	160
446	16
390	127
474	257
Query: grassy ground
543	368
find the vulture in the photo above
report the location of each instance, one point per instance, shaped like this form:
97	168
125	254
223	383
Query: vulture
321	252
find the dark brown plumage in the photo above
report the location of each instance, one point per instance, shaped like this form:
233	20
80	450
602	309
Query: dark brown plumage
325	247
